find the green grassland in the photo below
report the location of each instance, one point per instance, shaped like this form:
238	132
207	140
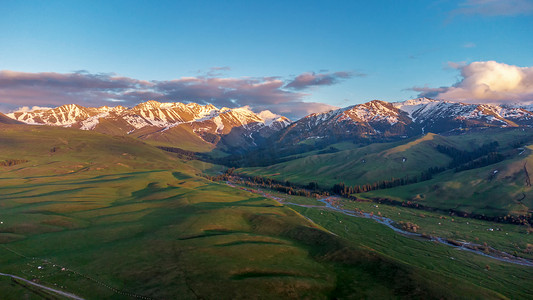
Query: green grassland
510	238
510	280
181	136
426	256
478	191
383	161
108	217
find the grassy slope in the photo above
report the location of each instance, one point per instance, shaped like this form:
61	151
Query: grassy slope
479	190
180	136
469	191
115	212
7	120
360	166
427	257
510	280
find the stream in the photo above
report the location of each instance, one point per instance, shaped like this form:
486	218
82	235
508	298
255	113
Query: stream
466	246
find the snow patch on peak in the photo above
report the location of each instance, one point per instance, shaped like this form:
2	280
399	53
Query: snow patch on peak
169	105
150	104
242	115
282	121
271	119
416	101
412	105
91	122
244	110
373	111
218	121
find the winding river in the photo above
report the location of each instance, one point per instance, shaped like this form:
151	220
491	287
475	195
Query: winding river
466	246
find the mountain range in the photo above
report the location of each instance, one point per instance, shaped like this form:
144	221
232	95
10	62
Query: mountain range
383	120
233	128
164	123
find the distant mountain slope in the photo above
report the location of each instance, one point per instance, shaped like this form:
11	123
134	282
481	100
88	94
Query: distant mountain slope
239	129
374	119
58	151
380	121
361	165
152	120
7	120
440	116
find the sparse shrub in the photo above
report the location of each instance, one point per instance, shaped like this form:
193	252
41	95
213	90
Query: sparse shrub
12	162
408	226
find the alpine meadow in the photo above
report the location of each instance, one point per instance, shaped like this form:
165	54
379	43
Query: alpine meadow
236	150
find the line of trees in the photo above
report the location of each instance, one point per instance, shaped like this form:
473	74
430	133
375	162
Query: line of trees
287	187
183	154
461	157
312	189
342	189
486	160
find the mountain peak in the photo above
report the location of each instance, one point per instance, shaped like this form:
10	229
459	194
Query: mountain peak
155	118
150	104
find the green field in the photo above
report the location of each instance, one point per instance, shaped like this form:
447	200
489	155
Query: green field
108	217
509	280
383	161
473	191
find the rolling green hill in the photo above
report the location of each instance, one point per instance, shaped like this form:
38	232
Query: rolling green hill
181	136
109	217
361	165
495	190
467	190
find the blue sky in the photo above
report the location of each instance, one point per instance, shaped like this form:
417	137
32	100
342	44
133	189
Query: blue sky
346	52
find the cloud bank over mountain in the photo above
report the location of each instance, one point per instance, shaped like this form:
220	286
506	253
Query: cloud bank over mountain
486	82
279	95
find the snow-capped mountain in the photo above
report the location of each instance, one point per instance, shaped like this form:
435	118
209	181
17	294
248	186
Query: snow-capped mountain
440	116
155	118
424	109
378	119
242	128
372	119
66	115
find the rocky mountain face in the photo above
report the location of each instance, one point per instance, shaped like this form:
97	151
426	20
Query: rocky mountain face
441	116
367	120
379	120
153	119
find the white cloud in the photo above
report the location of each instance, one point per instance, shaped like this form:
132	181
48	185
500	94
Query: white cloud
267	115
279	95
488	82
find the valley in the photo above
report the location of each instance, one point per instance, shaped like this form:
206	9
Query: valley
269	150
171	200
